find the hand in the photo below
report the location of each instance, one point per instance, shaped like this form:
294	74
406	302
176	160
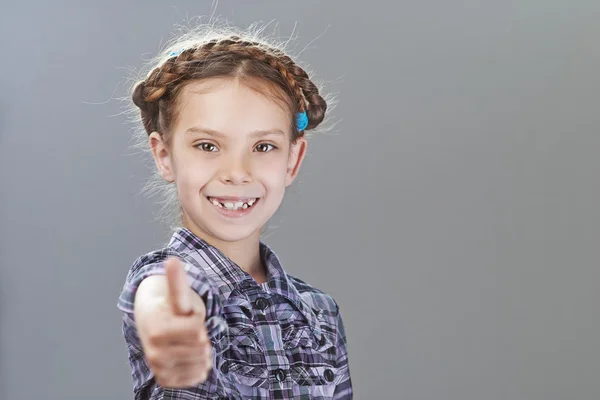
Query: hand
173	333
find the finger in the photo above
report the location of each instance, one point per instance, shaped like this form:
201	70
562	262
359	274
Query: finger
174	372
179	330
185	354
171	365
178	286
165	361
187	376
185	365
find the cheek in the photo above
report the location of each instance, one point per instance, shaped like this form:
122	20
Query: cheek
273	168
191	173
273	177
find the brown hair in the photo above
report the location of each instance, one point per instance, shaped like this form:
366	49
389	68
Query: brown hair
205	52
262	67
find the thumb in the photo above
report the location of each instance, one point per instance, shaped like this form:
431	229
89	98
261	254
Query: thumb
178	287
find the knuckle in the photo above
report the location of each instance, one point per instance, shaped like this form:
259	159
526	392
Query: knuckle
182	332
155	336
192	376
203	339
175	376
188	335
198	329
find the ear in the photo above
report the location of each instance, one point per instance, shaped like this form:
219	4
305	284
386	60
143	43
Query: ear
162	157
297	153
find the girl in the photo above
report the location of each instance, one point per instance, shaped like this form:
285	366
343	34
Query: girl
213	314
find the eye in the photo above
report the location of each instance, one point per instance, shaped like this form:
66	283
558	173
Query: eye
264	147
206	146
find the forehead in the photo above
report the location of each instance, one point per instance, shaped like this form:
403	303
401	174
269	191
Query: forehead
229	106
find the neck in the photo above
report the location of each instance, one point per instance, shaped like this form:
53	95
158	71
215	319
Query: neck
244	253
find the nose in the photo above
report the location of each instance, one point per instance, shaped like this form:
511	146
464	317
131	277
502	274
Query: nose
236	170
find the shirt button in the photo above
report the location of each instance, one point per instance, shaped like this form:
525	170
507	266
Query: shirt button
224	368
329	375
322	340
261	303
280	375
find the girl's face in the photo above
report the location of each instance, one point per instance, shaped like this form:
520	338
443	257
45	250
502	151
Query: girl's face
231	158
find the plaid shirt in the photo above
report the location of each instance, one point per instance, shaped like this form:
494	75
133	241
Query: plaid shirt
282	339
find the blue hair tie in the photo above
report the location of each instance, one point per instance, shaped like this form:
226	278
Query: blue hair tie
176	52
301	121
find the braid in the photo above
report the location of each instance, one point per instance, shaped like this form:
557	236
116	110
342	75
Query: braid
190	63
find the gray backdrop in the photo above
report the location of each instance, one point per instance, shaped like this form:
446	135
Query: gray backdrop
453	212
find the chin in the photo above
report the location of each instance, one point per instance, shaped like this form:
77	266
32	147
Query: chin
229	234
236	236
235	230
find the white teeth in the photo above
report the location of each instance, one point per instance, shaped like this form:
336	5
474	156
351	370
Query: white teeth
233	206
216	203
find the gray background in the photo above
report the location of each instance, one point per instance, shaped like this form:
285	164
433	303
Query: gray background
453	212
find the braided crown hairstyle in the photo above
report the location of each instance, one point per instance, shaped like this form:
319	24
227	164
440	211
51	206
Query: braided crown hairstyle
207	52
262	67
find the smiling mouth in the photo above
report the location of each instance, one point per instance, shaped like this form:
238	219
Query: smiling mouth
232	203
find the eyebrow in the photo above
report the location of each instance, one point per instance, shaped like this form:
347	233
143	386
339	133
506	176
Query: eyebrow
212	132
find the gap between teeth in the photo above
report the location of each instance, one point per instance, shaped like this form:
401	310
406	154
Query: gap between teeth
234	206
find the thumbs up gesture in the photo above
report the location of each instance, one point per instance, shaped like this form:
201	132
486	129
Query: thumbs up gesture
170	322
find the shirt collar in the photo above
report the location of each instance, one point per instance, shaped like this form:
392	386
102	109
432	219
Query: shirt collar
228	276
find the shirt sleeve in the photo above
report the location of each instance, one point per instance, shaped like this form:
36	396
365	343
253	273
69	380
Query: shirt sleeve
343	390
198	282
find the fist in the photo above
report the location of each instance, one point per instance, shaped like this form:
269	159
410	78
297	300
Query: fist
173	333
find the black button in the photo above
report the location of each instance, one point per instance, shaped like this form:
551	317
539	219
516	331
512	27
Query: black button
261	303
329	375
322	340
280	375
224	368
